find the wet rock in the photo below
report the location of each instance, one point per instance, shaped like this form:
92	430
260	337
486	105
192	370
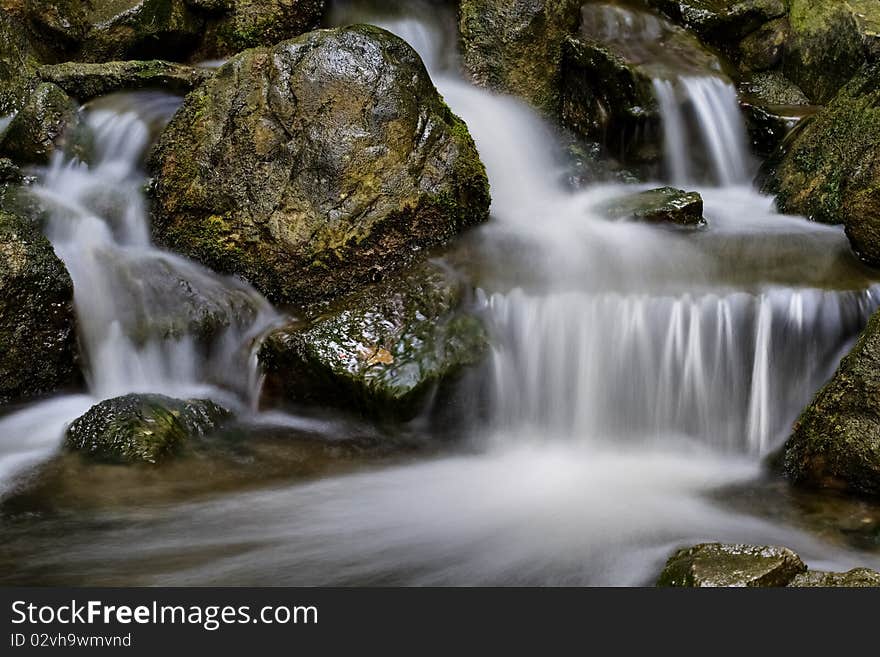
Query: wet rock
381	350
829	170
836	440
312	167
721	21
85	81
830	41
37	323
773	107
59	25
140	29
9	171
18	60
664	205
142	428
516	46
720	565
245	24
763	49
40	126
855	578
724	565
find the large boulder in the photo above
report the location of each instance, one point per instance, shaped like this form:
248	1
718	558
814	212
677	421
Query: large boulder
836	440
85	81
18	61
727	565
829	169
381	350
37	323
314	166
142	428
830	41
515	46
40	126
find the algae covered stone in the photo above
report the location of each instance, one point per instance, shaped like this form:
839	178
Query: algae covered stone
143	428
829	169
18	61
381	350
855	578
40	126
312	167
722	565
836	440
85	81
37	322
665	205
830	41
515	46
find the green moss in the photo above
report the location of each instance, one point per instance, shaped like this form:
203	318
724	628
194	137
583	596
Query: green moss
720	565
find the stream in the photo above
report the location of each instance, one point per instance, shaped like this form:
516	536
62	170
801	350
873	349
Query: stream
639	376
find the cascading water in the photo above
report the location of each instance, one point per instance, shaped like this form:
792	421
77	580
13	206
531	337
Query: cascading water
636	371
141	311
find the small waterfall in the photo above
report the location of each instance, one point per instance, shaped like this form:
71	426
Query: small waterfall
702	122
727	370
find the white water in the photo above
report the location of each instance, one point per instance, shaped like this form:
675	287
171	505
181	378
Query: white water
130	296
636	372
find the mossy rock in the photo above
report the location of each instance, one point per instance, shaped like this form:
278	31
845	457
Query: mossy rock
665	205
855	578
515	46
37	322
764	49
140	29
142	428
85	81
41	126
836	440
728	565
18	61
57	25
312	167
723	565
829	169
830	41
721	22
241	24
381	351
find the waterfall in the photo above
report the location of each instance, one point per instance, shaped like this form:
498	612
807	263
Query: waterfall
718	134
142	313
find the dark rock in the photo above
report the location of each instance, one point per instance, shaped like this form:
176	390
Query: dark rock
830	41
836	440
18	61
855	578
764	48
59	25
515	46
721	21
37	322
720	565
9	171
85	81
142	428
664	205
40	126
381	350
829	169
312	167
772	107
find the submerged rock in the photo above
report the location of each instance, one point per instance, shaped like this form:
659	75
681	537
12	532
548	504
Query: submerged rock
85	81
37	322
724	565
663	205
836	440
312	167
829	170
381	350
142	428
830	41
40	126
720	565
515	46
